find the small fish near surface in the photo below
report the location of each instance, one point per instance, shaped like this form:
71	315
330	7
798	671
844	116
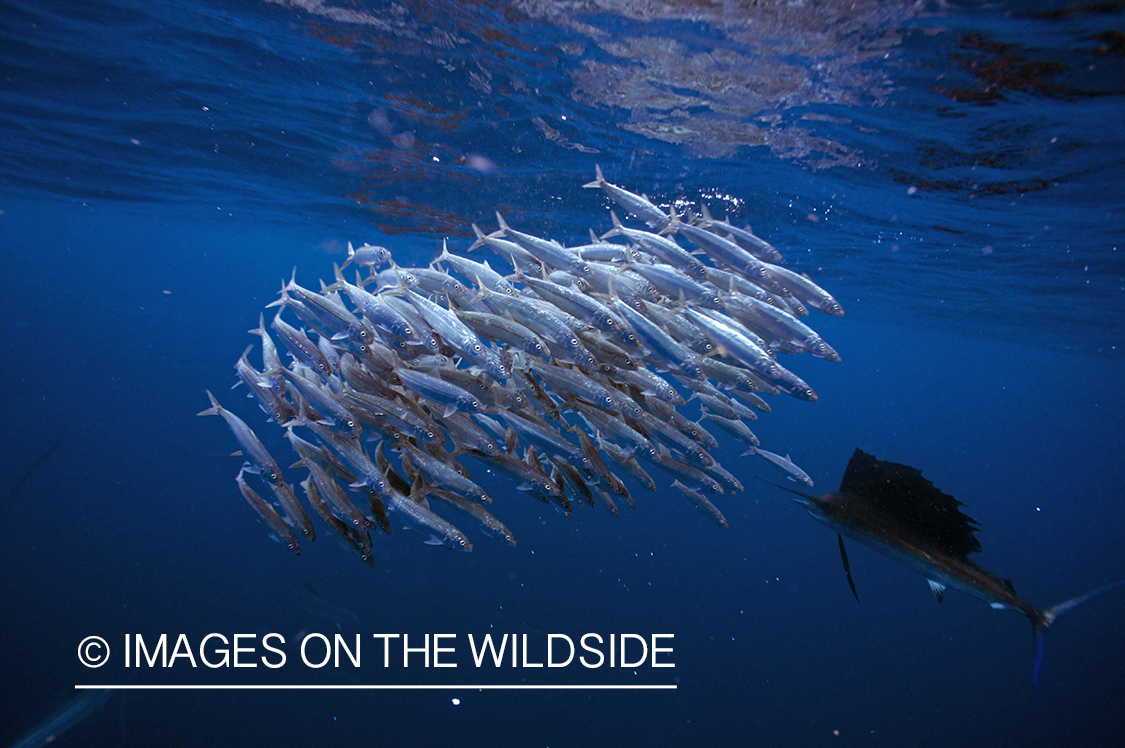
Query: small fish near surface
891	508
560	367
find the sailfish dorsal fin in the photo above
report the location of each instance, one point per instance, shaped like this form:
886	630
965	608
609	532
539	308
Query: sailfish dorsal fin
922	508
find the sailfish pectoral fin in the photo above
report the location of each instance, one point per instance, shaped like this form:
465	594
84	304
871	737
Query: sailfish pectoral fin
937	588
847	568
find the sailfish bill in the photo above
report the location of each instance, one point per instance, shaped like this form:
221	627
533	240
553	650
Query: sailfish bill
891	508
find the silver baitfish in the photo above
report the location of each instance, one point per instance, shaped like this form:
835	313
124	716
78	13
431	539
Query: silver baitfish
558	368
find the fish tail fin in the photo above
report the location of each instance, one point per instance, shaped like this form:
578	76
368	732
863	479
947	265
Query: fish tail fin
351	256
215	408
285	297
260	330
674	222
504	227
480	238
1041	620
444	256
599	180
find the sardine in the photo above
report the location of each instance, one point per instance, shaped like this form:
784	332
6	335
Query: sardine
702	502
745	238
660	247
548	252
427	521
252	446
784	465
367	255
272	519
303	349
449	396
491	525
639	206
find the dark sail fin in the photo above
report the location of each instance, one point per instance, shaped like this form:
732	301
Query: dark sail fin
901	492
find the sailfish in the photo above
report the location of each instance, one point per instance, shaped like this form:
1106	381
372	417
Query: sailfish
893	509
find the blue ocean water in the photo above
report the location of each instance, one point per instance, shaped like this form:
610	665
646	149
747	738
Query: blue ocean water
952	172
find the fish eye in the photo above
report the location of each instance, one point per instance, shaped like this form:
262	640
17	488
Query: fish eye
477	348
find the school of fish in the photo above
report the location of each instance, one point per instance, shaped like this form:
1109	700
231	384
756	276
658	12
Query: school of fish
569	371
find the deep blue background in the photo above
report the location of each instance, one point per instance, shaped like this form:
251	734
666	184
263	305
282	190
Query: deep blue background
974	242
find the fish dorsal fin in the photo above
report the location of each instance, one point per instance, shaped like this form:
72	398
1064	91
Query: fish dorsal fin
922	509
1011	587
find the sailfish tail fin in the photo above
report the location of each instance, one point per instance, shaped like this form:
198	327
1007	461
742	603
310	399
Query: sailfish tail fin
1044	618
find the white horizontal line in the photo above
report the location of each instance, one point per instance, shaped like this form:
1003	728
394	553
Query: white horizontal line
381	687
